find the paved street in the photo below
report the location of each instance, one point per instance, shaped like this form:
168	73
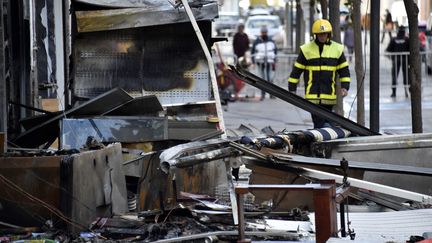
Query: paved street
395	113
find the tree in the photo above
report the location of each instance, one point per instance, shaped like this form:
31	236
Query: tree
334	12
300	26
311	17
324	10
358	53
335	21
414	71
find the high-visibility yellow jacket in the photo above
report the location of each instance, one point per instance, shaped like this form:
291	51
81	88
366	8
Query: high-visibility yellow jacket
320	71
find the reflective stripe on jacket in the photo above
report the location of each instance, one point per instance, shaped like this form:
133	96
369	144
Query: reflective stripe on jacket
320	71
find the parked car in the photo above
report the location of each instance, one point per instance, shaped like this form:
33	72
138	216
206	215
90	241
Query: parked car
227	23
275	30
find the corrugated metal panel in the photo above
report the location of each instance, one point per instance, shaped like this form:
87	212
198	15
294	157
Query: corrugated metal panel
160	60
409	149
397	226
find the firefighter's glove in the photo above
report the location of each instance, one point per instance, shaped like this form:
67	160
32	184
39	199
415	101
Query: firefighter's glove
344	92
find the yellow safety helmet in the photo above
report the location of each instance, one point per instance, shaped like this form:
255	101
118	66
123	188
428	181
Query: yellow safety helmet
321	26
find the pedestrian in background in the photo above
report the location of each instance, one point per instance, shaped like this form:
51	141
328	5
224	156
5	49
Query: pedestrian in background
399	44
388	25
241	44
319	60
264	56
348	40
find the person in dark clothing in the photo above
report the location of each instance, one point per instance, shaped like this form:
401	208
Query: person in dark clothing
240	42
399	44
349	40
388	25
264	52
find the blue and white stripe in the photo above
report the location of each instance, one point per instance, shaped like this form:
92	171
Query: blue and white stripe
327	133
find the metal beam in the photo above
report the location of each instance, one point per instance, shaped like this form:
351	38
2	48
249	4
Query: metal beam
393	191
112	19
374	65
356	165
320	175
300	102
3	117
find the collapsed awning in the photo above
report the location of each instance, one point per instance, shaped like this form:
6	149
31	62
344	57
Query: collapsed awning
140	15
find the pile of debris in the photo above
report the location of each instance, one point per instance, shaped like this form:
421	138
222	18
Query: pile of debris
141	154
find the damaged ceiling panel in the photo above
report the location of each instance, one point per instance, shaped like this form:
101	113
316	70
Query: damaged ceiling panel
114	19
103	103
168	63
124	3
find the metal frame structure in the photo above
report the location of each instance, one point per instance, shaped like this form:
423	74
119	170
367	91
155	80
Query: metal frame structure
277	162
324	195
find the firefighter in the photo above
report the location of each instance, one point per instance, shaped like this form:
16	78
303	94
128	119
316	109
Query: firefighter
320	59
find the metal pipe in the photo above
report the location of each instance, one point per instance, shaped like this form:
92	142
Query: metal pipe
225	233
33	84
374	65
3	119
59	52
342	218
210	65
200	158
393	191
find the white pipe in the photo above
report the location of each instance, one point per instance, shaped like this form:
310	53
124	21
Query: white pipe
418	197
58	30
33	56
210	65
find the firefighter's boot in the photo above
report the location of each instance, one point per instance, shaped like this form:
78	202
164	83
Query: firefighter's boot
393	94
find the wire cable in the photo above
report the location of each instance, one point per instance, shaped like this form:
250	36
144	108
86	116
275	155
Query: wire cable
52	209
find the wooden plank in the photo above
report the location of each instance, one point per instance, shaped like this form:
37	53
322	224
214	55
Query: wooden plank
50	104
325	213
